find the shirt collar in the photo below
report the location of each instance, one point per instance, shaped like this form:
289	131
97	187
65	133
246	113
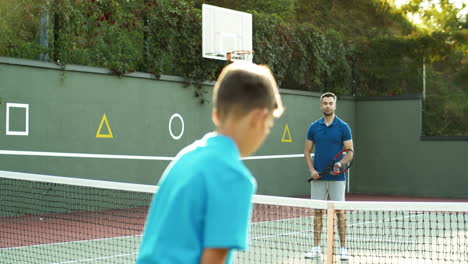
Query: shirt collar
335	121
225	141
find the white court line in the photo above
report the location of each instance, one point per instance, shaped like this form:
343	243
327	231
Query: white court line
385	220
81	155
300	233
69	242
397	241
129	157
283	234
78	242
281	220
324	229
274	157
94	259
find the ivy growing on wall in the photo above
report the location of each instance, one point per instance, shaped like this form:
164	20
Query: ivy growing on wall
164	37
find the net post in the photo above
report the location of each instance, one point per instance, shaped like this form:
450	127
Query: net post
330	231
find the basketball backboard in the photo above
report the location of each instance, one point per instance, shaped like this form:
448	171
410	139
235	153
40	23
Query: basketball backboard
225	30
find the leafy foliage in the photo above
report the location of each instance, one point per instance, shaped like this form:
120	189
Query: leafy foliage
436	15
98	33
359	47
368	18
19	26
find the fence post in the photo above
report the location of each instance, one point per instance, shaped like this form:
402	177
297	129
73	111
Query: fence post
44	34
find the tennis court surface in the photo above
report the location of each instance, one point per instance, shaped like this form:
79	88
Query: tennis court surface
47	219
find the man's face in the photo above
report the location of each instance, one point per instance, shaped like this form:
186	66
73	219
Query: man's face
328	106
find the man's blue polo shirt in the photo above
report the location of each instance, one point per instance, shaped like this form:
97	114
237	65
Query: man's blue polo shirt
204	201
328	141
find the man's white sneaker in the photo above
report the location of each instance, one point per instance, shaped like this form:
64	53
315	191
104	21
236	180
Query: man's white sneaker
344	254
314	252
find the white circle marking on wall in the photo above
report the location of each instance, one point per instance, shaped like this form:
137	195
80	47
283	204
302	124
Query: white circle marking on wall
170	126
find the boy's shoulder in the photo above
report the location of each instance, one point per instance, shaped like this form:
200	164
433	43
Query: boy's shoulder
215	154
210	150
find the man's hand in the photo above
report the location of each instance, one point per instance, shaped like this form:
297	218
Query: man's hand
336	167
315	175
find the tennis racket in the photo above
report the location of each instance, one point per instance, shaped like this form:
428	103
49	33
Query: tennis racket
329	168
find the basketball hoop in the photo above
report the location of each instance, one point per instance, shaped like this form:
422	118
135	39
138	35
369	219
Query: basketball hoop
244	55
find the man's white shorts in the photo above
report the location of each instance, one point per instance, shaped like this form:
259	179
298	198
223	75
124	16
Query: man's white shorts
320	190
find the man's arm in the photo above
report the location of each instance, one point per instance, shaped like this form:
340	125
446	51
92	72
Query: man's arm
309	146
214	256
348	144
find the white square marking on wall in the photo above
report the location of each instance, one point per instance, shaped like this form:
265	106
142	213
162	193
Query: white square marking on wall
12	132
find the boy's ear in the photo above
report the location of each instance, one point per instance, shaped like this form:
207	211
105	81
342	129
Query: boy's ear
215	117
257	116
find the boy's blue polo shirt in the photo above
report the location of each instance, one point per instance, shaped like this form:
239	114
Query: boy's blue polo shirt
204	201
328	141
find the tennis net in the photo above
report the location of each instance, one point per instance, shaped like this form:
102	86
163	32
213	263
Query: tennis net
47	219
282	231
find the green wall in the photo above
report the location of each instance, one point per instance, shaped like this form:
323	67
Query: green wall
392	158
66	107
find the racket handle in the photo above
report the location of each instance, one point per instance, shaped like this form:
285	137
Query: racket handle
310	179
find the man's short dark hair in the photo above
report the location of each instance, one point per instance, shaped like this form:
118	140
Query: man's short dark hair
243	87
328	94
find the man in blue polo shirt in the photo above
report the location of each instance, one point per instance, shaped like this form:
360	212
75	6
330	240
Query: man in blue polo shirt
201	211
329	135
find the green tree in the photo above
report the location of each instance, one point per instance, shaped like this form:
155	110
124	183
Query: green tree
444	44
436	15
19	28
284	9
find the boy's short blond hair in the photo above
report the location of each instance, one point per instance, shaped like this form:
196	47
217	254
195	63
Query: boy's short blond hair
243	87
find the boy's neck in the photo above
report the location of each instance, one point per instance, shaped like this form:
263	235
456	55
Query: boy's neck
231	132
235	129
